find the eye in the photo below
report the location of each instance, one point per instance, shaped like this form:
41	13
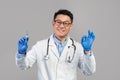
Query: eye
65	23
59	22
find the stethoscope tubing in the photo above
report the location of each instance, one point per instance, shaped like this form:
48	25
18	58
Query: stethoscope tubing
46	57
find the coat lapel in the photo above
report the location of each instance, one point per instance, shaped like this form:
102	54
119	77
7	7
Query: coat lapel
53	48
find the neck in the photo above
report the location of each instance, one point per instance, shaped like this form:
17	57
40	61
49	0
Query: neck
61	39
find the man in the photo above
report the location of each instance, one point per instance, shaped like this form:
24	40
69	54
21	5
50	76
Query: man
59	56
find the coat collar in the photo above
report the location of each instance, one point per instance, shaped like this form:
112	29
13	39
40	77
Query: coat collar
53	47
52	43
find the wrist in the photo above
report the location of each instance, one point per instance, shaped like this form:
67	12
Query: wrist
87	51
19	56
21	52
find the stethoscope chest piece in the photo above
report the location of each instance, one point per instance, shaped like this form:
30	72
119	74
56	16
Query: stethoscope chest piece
46	57
68	60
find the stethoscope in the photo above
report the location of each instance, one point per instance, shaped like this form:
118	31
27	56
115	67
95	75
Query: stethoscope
69	58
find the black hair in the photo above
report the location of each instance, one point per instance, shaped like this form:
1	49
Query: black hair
64	12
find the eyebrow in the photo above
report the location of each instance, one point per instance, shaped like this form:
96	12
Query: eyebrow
62	21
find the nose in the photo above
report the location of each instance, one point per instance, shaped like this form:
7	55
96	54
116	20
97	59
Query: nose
61	25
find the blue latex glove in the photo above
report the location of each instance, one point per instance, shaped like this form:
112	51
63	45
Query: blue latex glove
23	45
87	41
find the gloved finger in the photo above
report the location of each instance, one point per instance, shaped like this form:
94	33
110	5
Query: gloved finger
26	38
84	38
21	41
26	41
89	32
92	35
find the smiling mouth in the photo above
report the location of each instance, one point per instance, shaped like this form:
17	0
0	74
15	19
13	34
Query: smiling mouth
61	31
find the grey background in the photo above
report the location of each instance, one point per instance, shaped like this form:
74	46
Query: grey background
35	17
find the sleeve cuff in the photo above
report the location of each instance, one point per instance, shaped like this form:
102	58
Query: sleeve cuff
19	56
89	54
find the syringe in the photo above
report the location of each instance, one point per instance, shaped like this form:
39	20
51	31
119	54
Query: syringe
26	35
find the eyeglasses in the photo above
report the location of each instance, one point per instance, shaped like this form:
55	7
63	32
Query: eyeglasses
65	23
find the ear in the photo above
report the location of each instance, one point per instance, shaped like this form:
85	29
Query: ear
53	23
71	26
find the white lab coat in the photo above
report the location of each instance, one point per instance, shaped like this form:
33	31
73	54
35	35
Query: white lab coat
57	68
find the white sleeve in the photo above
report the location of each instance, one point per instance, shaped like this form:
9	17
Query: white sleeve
20	61
26	61
87	64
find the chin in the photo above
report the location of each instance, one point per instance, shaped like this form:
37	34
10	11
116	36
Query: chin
62	36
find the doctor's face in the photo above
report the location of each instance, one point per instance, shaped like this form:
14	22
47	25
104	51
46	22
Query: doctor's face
62	25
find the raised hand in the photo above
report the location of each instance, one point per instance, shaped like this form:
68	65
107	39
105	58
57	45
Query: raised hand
87	41
23	45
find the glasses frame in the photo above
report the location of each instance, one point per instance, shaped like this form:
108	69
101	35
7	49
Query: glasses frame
65	23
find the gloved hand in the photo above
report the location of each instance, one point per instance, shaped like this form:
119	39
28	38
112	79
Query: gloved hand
23	45
87	41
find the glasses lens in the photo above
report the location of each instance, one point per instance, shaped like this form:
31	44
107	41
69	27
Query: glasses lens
65	23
